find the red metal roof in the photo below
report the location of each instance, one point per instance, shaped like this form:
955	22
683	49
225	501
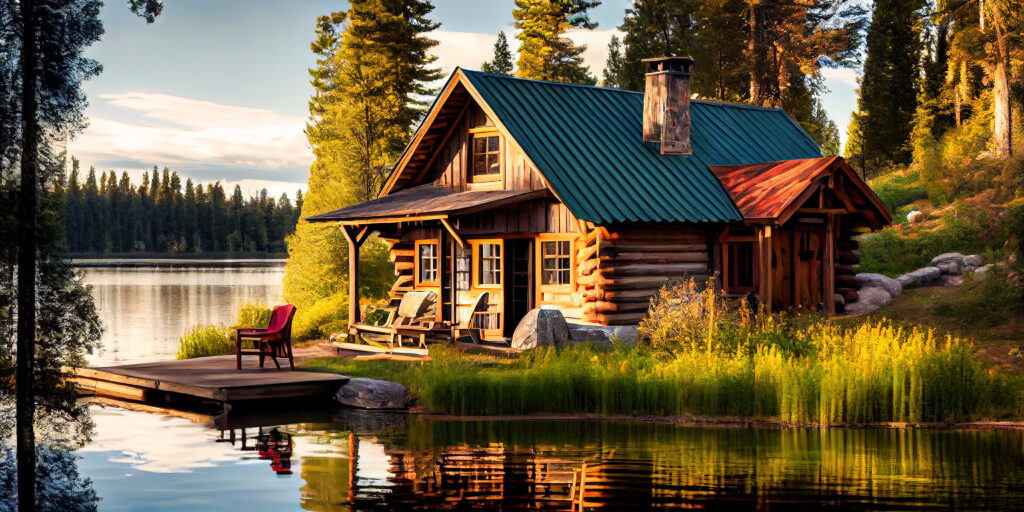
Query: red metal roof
763	191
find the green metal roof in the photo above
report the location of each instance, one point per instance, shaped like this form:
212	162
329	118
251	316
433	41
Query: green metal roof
587	143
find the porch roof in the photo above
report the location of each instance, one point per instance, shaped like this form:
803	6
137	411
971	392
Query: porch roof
425	202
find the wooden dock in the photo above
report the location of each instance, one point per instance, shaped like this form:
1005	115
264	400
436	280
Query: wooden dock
207	378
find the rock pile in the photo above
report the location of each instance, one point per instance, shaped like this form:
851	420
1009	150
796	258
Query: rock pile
945	269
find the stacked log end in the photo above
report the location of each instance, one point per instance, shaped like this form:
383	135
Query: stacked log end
847	262
403	255
619	271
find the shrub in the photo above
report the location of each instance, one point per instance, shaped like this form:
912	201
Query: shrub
253	315
899	189
205	340
325	317
986	301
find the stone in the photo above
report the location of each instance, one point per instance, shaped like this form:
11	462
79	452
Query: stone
920	277
951	280
889	284
951	267
871	298
541	328
974	260
602	335
946	256
372	394
984	270
912	215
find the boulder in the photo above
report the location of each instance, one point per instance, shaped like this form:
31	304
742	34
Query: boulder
920	277
951	267
371	394
541	328
912	215
946	256
889	284
984	270
871	298
602	335
974	261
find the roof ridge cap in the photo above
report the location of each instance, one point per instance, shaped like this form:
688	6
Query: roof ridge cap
548	82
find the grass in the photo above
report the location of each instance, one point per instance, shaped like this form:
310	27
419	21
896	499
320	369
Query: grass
215	340
736	364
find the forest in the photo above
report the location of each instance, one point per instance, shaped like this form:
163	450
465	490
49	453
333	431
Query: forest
107	214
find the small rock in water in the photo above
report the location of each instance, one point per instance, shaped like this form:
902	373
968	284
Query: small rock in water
371	394
889	284
541	328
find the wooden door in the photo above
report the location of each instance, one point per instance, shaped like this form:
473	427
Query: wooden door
518	282
807	256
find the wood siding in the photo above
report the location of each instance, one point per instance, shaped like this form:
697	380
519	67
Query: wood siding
451	167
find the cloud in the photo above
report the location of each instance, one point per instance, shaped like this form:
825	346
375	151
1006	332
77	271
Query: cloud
470	49
843	75
190	135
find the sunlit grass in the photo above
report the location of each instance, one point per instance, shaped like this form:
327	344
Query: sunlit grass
216	340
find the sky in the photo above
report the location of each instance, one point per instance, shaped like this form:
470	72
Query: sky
218	90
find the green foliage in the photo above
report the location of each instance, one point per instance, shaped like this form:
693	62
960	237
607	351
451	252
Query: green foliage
357	131
111	214
987	301
871	373
204	341
613	65
888	98
502	62
545	53
253	315
897	190
963	230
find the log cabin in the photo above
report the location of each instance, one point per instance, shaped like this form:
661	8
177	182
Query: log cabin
590	199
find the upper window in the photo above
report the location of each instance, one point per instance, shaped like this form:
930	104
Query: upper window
488	264
486	157
556	262
426	263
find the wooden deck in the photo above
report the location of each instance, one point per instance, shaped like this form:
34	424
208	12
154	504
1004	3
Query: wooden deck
211	378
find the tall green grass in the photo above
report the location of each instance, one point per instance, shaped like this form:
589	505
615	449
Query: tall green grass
704	357
215	340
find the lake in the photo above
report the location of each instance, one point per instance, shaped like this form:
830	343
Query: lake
331	460
145	309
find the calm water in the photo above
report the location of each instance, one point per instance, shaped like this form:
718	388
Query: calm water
146	309
345	460
140	461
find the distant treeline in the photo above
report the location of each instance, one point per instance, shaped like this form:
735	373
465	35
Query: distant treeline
108	214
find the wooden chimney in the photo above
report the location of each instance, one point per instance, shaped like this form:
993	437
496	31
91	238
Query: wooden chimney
667	104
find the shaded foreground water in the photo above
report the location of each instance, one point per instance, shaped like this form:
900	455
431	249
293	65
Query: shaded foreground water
361	461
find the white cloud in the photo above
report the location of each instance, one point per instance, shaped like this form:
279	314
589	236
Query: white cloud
188	134
470	49
844	75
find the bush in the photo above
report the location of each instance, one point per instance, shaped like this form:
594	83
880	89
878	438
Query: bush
987	301
899	189
325	317
253	315
205	340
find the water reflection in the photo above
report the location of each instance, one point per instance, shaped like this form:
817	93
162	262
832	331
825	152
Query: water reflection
145	310
419	464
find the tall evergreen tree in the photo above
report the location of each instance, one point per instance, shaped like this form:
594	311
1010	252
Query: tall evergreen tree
501	63
367	82
545	53
613	65
888	93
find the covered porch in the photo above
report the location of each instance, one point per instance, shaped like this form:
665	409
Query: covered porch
431	250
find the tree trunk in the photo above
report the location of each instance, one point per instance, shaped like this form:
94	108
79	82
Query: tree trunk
24	375
752	51
1002	136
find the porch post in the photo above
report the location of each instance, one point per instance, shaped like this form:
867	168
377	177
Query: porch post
354	242
829	288
764	243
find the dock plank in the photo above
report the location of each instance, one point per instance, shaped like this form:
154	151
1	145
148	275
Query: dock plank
211	377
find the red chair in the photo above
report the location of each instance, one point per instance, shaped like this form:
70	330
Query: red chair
274	341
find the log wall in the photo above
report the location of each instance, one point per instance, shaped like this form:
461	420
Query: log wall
620	269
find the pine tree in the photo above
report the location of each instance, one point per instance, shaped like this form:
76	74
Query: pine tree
357	131
888	93
501	63
545	53
613	65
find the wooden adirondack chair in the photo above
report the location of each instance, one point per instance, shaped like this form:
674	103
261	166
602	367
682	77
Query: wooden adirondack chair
274	341
468	325
414	318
